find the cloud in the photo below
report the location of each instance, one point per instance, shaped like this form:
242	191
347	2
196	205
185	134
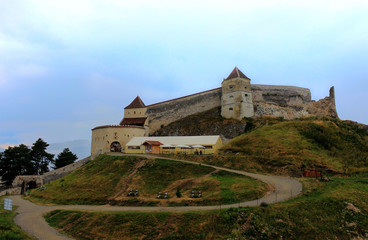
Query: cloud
68	66
7	145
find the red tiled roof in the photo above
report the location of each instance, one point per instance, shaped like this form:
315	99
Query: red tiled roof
153	143
137	103
133	121
236	73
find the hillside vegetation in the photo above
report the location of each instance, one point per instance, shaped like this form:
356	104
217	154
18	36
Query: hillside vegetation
329	145
281	146
108	179
326	210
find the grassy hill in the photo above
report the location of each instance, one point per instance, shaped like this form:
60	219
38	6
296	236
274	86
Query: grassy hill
108	179
328	144
326	210
279	146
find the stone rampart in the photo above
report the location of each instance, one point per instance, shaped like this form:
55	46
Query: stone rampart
61	172
161	114
284	96
21	181
11	191
288	102
324	107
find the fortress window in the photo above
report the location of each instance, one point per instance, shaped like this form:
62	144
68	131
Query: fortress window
231	86
134	112
231	96
246	95
230	109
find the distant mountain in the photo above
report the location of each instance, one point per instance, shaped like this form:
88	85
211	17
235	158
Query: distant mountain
82	148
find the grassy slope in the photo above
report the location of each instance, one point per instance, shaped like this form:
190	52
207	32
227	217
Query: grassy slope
107	179
322	212
8	229
328	210
284	147
289	145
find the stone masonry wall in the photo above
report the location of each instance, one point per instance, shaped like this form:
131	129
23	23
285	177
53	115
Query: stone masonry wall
280	101
45	178
167	112
11	191
284	96
324	107
288	102
61	172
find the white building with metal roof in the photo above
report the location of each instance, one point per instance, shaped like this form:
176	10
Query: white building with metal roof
175	145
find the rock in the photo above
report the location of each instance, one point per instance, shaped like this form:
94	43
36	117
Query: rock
350	206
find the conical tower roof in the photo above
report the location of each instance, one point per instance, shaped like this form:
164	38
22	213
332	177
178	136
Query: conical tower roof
236	73
137	103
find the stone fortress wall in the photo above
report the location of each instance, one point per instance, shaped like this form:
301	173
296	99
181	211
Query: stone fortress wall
288	102
237	97
161	114
20	182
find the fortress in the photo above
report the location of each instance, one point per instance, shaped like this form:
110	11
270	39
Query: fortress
237	97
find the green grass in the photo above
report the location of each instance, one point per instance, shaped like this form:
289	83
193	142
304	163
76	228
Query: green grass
322	212
285	147
159	174
8	229
91	184
107	180
235	188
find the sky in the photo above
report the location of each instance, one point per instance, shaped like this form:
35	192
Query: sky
68	66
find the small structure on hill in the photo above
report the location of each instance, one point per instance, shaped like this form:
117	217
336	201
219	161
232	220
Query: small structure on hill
312	173
175	145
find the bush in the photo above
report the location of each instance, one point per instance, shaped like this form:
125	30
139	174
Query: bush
178	193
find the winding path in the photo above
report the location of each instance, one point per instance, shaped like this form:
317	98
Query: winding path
30	215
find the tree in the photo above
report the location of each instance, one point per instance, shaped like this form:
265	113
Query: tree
64	158
15	161
40	158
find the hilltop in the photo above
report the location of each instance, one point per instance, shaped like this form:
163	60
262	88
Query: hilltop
281	146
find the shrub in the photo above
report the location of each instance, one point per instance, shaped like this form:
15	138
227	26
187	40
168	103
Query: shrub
178	193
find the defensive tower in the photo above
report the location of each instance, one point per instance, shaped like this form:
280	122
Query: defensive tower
236	98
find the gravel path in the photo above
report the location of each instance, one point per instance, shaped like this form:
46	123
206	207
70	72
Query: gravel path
30	216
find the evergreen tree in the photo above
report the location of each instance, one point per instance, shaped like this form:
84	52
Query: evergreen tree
64	158
15	161
40	158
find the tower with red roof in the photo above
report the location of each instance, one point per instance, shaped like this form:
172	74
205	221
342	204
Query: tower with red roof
236	98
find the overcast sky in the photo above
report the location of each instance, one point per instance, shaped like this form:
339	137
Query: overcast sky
68	66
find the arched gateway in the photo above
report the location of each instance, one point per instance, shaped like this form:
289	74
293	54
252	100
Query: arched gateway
115	147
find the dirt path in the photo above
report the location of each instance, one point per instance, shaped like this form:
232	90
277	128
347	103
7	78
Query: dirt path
30	216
